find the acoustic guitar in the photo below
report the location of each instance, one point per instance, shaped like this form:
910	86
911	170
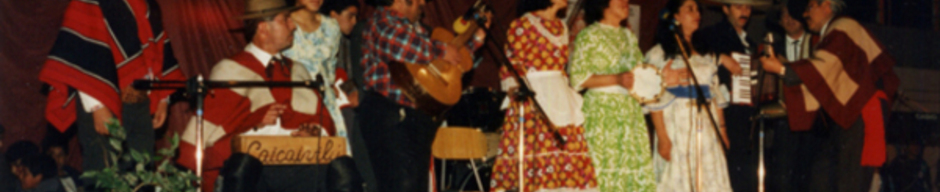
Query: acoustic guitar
436	86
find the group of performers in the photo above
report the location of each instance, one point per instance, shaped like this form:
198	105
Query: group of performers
591	135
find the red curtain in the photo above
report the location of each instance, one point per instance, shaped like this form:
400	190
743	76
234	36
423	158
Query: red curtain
27	31
203	31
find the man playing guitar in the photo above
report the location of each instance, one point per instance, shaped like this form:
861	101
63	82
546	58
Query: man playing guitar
398	135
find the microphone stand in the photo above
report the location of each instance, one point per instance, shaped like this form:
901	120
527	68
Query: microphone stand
701	103
523	93
196	89
758	120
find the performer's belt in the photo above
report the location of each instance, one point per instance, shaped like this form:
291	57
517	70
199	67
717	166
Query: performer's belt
615	89
688	91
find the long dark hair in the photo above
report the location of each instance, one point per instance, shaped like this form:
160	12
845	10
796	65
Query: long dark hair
337	5
594	10
526	6
668	26
379	3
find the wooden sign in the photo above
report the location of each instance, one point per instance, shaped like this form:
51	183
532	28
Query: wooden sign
285	150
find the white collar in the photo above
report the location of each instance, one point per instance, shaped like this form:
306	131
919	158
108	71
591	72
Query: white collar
743	37
822	33
557	40
790	40
605	25
262	56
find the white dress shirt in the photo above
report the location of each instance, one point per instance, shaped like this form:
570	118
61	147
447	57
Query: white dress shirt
743	37
272	130
276	129
794	47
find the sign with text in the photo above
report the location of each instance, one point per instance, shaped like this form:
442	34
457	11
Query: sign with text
285	150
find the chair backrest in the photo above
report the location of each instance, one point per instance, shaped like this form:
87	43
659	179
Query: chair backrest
459	143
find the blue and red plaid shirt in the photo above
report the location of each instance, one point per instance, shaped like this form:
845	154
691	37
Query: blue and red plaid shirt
392	37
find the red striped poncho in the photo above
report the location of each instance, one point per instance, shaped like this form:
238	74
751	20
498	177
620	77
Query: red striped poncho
851	76
102	47
232	111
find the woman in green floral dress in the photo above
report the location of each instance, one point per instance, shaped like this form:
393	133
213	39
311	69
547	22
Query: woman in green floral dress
603	55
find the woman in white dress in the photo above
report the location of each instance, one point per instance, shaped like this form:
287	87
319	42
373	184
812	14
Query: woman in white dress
690	153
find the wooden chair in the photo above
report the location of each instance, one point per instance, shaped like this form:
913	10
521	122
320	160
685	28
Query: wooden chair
460	143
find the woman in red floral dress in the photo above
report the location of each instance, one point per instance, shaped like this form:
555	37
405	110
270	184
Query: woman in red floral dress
538	43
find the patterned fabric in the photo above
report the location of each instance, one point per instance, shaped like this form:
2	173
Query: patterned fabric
102	47
233	111
697	158
614	127
847	69
547	167
391	37
317	51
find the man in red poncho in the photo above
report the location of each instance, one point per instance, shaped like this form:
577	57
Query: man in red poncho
849	82
101	48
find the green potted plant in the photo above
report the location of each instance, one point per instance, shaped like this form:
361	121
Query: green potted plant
128	170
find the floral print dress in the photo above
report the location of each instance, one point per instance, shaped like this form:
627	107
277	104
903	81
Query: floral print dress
539	45
697	160
615	129
317	52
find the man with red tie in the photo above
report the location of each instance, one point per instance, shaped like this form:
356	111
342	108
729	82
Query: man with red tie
280	111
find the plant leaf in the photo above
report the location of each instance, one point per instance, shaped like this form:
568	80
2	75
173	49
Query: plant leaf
115	129
131	178
165	152
163	165
175	141
137	156
116	144
89	174
166	176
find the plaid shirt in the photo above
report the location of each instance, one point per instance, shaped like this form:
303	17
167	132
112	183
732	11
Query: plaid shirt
391	37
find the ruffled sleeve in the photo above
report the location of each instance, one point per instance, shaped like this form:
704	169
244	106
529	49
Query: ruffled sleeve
517	42
588	56
657	57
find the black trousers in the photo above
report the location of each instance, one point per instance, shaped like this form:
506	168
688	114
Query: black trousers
742	154
399	142
293	178
359	150
837	166
140	136
790	155
244	173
